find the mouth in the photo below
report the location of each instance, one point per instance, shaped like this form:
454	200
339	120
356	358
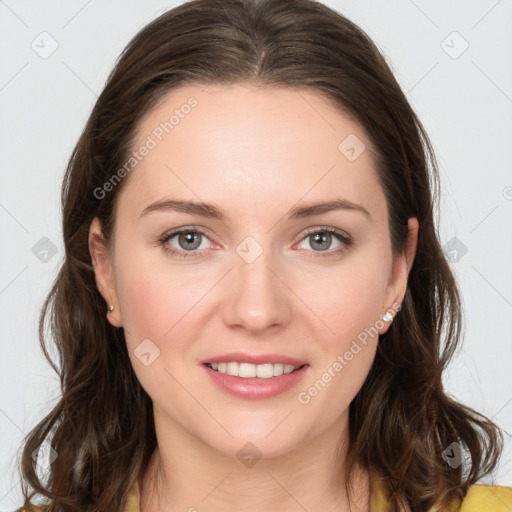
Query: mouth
255	381
251	371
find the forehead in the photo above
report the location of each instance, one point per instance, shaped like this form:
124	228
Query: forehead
251	143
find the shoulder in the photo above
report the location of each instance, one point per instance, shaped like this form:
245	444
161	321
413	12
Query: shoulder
487	498
131	505
479	498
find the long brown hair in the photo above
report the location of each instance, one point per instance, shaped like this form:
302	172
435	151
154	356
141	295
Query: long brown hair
402	419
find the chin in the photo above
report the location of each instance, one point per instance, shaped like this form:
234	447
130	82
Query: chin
259	441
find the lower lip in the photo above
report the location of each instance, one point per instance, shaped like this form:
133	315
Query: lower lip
255	388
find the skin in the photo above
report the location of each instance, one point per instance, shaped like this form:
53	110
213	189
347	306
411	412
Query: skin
256	152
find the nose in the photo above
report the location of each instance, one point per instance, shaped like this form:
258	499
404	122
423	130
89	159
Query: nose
257	297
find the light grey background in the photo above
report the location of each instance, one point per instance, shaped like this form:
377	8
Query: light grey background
464	99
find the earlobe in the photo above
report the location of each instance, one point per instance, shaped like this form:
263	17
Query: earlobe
103	272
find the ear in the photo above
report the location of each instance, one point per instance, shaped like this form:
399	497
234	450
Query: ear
402	265
103	272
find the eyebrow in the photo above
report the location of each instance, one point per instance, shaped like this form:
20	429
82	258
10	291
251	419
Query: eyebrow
310	210
213	211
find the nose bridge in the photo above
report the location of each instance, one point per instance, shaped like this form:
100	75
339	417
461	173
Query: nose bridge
257	298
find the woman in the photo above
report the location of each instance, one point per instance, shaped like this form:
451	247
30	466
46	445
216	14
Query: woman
251	305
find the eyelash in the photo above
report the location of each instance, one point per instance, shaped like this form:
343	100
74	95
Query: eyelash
346	241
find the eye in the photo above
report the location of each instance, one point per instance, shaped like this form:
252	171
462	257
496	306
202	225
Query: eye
320	240
187	240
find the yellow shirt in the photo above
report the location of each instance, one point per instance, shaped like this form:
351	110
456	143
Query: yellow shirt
480	498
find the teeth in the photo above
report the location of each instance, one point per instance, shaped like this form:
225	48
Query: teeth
248	370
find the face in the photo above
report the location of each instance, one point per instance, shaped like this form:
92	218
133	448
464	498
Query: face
256	276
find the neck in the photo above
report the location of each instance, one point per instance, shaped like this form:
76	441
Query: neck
185	474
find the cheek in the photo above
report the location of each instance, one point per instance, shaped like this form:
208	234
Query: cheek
157	300
149	299
350	299
142	300
151	304
349	306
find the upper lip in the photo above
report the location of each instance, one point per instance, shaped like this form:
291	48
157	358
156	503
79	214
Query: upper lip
240	357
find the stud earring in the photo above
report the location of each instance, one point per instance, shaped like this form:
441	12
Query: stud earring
388	317
111	307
